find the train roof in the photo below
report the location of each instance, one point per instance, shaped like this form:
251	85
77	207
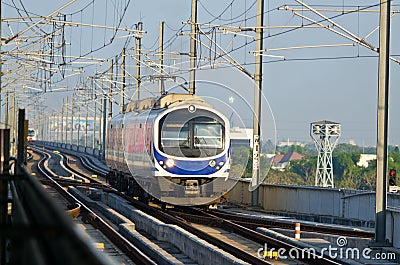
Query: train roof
165	101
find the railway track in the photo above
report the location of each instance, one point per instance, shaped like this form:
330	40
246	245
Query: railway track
240	229
214	216
239	225
88	215
167	218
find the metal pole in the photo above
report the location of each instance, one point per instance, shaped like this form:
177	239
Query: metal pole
62	122
72	122
257	102
94	125
59	119
26	128
138	54
382	131
21	141
193	52
103	154
161	59
48	127
79	126
122	100
5	153
6	111
86	125
49	134
110	98
13	125
66	120
40	124
100	125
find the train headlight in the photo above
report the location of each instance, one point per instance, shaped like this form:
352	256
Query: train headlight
212	163
170	162
221	163
192	108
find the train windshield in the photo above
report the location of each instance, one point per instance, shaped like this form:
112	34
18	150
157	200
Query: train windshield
31	132
185	134
207	135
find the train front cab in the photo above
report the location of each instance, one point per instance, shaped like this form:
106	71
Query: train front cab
191	148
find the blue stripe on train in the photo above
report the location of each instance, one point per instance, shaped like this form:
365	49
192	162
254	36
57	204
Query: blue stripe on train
190	167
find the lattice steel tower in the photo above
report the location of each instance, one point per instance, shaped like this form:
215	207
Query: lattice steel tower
325	135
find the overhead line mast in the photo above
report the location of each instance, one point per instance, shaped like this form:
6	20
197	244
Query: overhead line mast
193	52
123	85
161	88
257	102
138	55
382	123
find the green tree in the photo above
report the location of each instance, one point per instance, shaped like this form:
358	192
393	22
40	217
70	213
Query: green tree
241	162
306	168
343	164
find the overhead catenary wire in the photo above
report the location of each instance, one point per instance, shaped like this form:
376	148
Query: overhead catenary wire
209	38
62	49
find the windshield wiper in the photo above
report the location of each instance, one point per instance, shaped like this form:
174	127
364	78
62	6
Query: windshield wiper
199	144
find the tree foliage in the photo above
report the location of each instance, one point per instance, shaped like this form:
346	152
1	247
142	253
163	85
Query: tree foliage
347	174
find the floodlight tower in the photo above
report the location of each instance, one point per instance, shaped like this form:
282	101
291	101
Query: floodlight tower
325	135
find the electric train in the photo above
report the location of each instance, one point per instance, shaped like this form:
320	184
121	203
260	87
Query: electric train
175	148
32	134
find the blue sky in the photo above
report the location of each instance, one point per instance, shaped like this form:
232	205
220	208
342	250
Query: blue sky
337	83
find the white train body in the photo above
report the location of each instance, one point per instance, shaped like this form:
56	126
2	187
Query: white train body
180	143
32	134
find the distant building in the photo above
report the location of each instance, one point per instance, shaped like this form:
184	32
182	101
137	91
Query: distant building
289	143
241	137
280	162
352	142
364	158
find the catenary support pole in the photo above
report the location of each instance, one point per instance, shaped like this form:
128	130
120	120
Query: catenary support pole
193	52
257	101
382	124
110	95
122	96
138	58
161	88
103	145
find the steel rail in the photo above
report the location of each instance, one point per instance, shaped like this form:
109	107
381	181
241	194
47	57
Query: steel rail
167	218
308	256
227	225
122	243
290	225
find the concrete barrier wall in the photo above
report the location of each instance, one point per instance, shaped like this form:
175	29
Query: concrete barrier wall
127	228
197	249
339	203
240	194
360	206
86	150
301	200
393	227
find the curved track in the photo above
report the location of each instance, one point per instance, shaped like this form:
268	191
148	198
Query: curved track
123	244
234	223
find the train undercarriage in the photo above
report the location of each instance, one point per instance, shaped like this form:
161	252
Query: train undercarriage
172	191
